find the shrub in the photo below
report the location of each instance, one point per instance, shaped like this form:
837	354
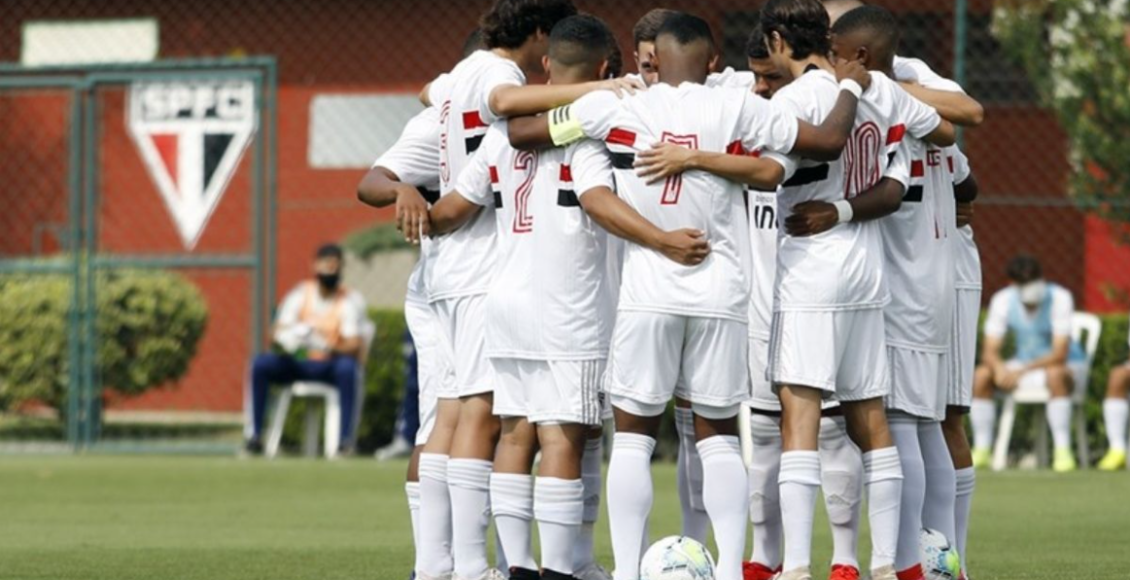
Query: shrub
148	326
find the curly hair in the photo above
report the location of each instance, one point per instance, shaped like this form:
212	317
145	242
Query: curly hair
510	22
803	24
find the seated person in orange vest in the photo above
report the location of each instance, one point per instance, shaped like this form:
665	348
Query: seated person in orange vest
317	338
1038	315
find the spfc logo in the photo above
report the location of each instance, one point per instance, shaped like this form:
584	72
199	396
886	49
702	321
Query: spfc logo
191	135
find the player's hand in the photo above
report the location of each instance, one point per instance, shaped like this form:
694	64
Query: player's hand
687	246
1009	381
811	218
854	70
411	214
621	86
662	161
964	214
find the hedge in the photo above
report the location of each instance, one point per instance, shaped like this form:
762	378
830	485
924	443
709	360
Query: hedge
385	386
149	324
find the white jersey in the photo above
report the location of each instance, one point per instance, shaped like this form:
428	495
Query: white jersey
967	259
414	158
550	298
842	268
699	117
763	226
728	78
464	259
918	244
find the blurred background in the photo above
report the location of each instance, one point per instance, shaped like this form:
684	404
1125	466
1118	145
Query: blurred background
168	169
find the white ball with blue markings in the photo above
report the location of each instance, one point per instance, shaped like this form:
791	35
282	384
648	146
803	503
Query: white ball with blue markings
940	560
677	558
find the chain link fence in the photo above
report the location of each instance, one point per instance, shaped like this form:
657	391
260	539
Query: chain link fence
92	186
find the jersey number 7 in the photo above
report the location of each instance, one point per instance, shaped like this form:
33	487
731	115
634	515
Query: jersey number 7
673	187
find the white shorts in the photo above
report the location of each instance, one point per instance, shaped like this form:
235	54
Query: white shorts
919	382
555	391
762	397
655	356
1036	381
839	352
462	321
963	347
433	368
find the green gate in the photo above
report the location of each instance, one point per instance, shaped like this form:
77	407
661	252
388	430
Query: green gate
98	162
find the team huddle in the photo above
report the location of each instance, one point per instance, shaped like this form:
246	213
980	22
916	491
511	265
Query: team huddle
784	251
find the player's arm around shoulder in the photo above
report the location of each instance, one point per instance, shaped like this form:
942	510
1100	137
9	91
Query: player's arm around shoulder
517	100
945	95
589	116
666	159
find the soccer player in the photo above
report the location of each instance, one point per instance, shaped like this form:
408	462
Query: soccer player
920	275
548	314
1115	412
673	323
840	461
407	175
1039	315
828	328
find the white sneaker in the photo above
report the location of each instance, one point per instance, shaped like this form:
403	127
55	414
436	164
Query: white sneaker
490	574
397	448
592	571
801	573
884	573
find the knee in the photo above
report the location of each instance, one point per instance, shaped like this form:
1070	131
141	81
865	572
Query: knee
983	382
1118	383
263	364
1059	380
345	369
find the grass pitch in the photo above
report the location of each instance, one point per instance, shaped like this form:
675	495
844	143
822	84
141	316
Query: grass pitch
173	518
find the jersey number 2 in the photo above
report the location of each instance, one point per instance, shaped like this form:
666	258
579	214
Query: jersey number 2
524	161
673	187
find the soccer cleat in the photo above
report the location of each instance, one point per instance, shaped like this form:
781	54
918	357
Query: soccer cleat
592	571
884	573
801	573
982	457
253	447
912	573
756	571
844	572
490	574
547	574
1064	461
517	573
399	447
1114	460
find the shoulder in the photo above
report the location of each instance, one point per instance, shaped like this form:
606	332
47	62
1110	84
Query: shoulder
1002	297
1059	293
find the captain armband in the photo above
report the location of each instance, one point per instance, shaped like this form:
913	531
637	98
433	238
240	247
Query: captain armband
563	127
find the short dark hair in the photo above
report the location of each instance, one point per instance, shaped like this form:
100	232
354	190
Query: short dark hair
686	28
647	28
879	23
1024	268
582	39
510	22
803	24
330	250
615	58
473	42
755	47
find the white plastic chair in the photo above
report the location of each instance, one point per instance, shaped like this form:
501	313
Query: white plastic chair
331	438
1033	391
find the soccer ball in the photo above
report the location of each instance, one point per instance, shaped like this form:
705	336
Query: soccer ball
677	558
940	560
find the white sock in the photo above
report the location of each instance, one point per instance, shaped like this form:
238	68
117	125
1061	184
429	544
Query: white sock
799	479
412	490
941	485
982	414
883	476
469	482
765	491
904	431
590	477
841	478
433	552
500	562
1059	420
630	495
512	505
1115	413
558	505
966	482
725	492
689	478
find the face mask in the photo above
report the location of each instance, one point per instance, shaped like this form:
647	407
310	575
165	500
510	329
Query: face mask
329	282
1033	292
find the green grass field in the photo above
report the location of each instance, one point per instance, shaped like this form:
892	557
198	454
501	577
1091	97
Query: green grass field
149	518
